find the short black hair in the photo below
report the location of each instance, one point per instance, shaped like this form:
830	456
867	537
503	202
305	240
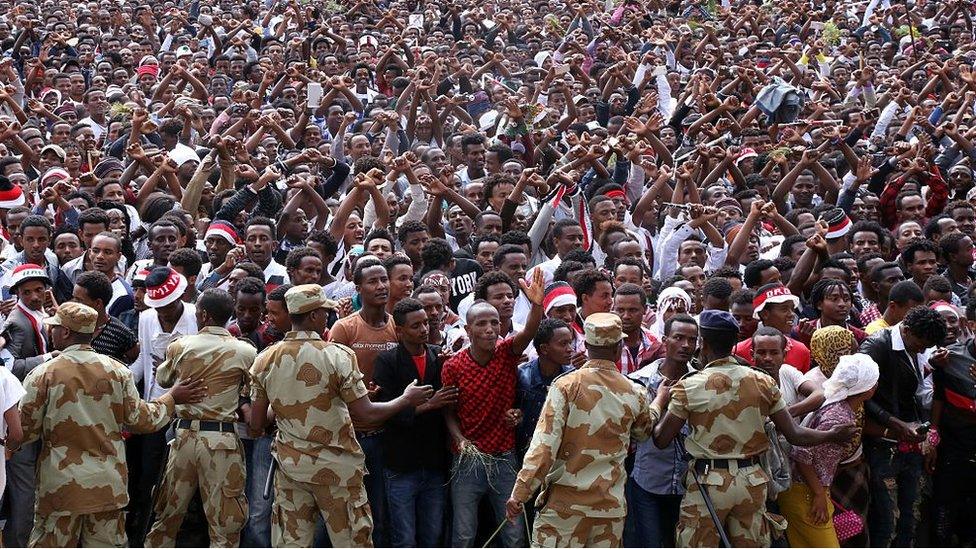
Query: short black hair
869	226
742	297
581	255
876	272
937	283
324	239
381	234
789	242
404	307
278	294
94	216
410	227
188	259
253	270
259	221
835	264
504	250
680	318
752	276
294	258
717	287
564	269
436	254
949	244
96	285
632	289
395	260
768	331
727	272
586	282
516	237
916	246
218	303
363	264
631	262
561	225
34	220
904	292
482	239
547	329
925	324
490	279
251	286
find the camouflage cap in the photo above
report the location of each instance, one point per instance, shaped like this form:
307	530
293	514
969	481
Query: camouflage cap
307	297
603	329
75	317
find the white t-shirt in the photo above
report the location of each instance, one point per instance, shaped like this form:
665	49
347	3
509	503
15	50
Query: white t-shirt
11	391
790	380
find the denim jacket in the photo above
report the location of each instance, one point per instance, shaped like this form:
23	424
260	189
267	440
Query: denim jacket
659	471
531	396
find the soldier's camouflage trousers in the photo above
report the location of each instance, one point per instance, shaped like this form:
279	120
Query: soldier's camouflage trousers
105	529
214	463
297	506
739	497
573	530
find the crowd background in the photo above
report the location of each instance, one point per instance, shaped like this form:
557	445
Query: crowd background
807	167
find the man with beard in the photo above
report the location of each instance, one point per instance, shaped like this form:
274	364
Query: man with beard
654	488
368	332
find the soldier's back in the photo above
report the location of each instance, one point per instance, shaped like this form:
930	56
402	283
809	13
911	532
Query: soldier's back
602	409
308	383
219	359
725	405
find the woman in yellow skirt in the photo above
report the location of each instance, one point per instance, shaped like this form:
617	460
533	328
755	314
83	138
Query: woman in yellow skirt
806	504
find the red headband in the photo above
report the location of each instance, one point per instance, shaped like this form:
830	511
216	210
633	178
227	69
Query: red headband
616	194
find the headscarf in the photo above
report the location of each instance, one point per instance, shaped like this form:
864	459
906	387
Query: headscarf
666	301
855	374
828	345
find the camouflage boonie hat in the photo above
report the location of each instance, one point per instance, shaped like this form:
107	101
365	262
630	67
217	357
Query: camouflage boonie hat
603	329
307	297
75	317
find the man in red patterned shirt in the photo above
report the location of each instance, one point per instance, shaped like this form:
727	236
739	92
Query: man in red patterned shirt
484	417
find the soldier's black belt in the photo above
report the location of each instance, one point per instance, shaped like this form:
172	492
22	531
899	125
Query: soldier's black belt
203	425
703	465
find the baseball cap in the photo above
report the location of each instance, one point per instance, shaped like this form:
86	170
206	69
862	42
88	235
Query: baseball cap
603	329
776	294
75	317
305	298
718	321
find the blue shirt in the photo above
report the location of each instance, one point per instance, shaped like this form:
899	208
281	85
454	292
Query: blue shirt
659	471
530	394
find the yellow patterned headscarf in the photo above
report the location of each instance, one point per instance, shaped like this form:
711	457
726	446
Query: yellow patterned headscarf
829	344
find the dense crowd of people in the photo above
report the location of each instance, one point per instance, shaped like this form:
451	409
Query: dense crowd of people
416	273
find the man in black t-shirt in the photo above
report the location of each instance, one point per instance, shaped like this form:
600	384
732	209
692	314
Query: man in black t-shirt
464	273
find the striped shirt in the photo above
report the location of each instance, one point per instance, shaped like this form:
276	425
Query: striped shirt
115	340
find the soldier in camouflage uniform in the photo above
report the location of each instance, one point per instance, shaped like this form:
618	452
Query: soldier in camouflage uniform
77	404
206	453
725	405
315	388
579	446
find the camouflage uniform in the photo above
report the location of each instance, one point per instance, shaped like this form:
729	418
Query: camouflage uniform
212	461
77	404
308	383
725	405
578	450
